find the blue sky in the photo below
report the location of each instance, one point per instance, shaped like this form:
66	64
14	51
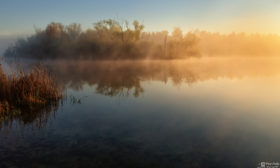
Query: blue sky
21	16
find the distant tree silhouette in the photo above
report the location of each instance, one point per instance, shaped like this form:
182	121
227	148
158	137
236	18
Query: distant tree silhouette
109	39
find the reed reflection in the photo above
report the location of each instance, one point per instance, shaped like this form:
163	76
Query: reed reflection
37	116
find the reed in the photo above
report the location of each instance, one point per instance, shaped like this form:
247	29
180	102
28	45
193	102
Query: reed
27	90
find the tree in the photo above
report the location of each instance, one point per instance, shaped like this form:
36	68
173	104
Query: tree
177	33
54	30
138	28
73	31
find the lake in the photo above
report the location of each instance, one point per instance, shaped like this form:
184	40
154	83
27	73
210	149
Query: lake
208	112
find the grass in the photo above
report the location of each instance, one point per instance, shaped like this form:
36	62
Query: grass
27	91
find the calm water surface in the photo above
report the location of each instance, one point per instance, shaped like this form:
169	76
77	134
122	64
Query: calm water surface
194	113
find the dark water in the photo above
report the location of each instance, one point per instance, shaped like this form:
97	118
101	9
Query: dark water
195	113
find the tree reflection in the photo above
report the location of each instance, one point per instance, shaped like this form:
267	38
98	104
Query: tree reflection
117	78
124	78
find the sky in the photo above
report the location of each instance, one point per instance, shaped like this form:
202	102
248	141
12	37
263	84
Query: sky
224	16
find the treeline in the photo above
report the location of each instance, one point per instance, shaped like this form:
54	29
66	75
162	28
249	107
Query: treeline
108	39
210	44
237	44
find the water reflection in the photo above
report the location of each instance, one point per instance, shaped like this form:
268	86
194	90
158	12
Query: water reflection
224	114
37	116
125	77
